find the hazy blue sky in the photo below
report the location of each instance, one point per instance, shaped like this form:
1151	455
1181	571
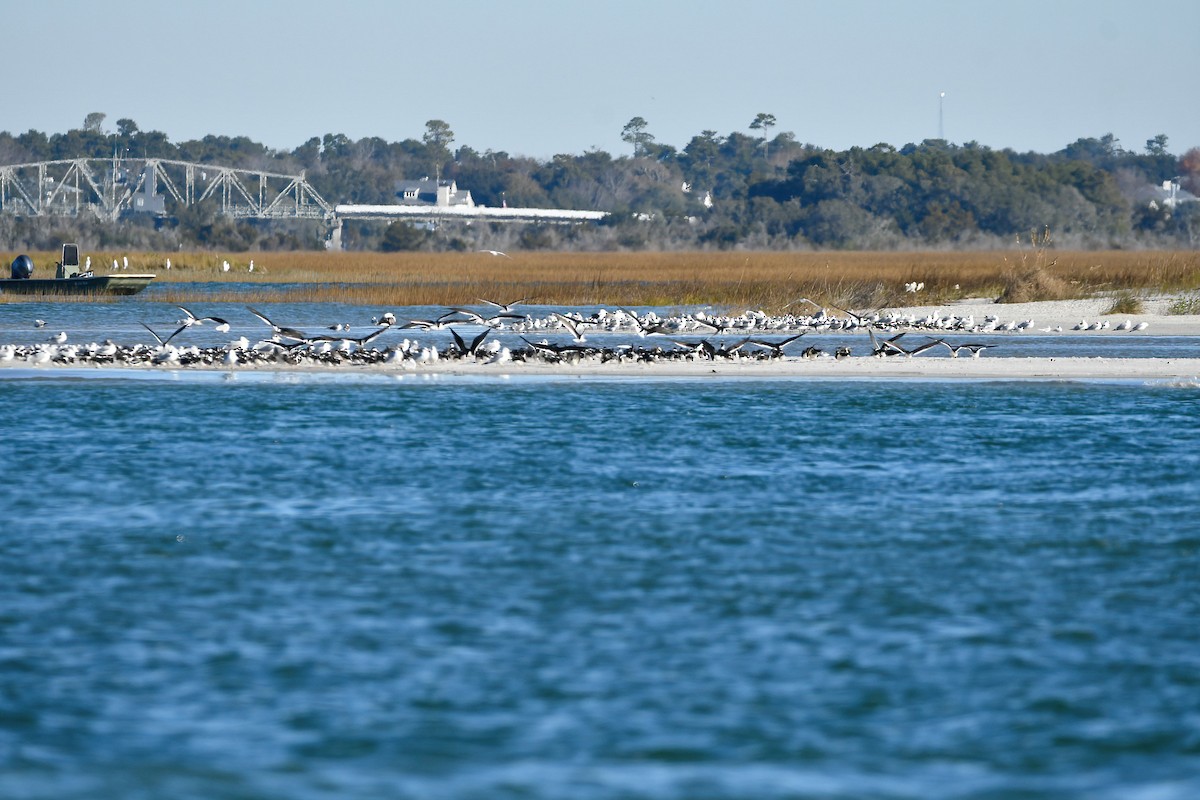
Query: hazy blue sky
539	77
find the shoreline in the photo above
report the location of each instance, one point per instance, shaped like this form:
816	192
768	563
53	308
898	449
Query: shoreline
1064	321
852	368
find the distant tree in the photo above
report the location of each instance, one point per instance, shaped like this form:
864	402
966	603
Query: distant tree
126	128
1100	152
334	145
634	133
437	139
699	157
308	154
763	122
1189	170
93	122
1157	146
401	237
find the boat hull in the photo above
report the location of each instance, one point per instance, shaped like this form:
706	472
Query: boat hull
96	284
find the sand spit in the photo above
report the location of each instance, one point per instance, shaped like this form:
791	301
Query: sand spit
852	368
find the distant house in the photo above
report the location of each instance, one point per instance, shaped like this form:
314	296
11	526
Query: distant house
427	192
1167	196
148	200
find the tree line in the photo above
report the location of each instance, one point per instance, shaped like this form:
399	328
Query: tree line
749	190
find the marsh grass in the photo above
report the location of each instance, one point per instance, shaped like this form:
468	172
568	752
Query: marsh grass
1029	275
763	280
1126	303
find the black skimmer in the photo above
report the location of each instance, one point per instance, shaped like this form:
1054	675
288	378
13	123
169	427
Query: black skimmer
191	319
504	306
161	341
570	324
463	348
279	330
776	348
647	328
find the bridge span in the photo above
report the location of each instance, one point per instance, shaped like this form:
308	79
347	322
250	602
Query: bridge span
109	188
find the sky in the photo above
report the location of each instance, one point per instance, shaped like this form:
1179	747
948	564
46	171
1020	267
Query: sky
542	77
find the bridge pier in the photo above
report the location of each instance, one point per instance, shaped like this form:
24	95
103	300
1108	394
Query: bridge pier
333	240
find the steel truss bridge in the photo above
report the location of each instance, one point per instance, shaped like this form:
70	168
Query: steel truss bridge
109	188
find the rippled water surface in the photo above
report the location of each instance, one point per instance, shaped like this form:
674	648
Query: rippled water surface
305	588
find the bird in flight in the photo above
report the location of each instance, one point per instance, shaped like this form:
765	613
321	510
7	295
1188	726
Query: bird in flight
571	325
191	319
471	349
281	331
496	253
504	306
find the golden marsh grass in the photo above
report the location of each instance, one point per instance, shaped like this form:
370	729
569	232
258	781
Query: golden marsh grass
765	280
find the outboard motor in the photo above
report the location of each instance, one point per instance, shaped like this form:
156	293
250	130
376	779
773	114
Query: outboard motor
22	267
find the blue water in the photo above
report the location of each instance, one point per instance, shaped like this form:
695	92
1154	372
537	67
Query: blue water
281	586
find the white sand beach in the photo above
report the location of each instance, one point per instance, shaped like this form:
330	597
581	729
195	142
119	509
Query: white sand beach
1065	319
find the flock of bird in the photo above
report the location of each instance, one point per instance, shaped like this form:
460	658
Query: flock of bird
123	265
497	332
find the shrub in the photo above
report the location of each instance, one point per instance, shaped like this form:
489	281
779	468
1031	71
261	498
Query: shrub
1125	303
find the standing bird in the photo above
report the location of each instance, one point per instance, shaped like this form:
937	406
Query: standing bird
168	263
224	266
